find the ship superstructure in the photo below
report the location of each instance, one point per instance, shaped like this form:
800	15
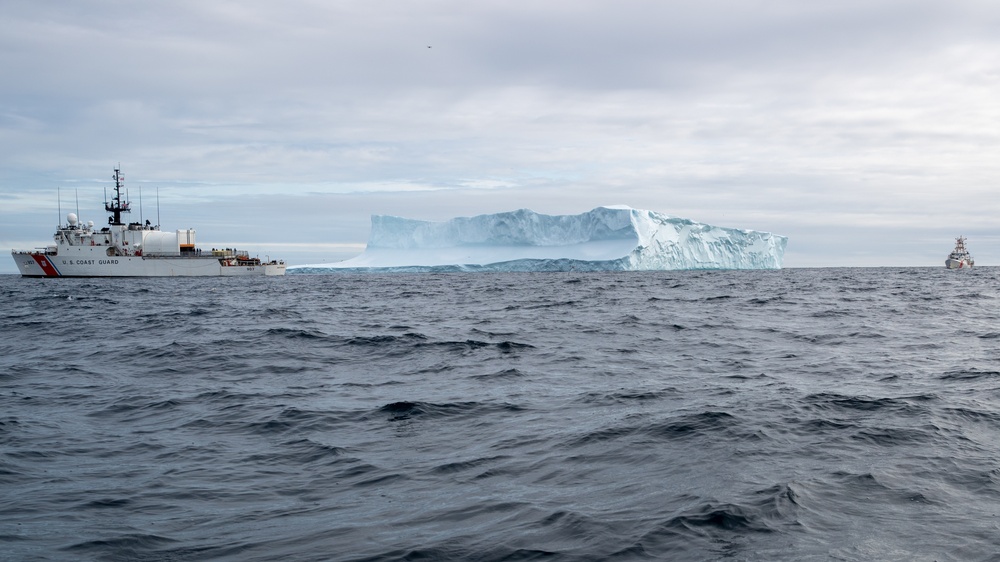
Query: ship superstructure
135	249
959	258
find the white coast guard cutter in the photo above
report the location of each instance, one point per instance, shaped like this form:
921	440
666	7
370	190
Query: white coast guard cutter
959	257
133	250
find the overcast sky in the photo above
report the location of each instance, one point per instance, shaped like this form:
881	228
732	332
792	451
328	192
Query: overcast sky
867	131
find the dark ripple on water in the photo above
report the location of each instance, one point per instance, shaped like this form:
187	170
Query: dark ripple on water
846	414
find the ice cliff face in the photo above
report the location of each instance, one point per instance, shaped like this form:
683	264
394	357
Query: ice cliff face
604	239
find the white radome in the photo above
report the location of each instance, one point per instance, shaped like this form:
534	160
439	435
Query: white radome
133	250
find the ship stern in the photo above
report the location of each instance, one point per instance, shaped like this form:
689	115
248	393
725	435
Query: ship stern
274	269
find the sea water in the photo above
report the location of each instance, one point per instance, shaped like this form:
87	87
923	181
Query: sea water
802	414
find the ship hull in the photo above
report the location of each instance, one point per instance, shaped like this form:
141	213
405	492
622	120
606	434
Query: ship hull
95	263
135	249
957	264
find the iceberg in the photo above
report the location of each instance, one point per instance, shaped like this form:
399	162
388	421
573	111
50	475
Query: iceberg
613	238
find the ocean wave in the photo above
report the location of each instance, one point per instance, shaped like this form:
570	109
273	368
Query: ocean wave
785	415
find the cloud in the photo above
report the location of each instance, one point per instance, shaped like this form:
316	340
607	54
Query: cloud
796	117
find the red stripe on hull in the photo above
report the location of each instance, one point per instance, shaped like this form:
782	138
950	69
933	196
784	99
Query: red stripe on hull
46	265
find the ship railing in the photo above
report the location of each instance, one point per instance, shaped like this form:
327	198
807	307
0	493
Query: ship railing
225	252
48	251
181	255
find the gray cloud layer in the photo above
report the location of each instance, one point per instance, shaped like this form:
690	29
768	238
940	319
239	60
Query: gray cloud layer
832	124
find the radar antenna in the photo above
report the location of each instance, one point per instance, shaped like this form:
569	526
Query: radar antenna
116	207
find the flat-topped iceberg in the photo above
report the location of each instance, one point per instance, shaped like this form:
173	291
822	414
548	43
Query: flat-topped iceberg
613	238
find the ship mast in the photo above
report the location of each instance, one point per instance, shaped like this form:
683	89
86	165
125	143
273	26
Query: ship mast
116	206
